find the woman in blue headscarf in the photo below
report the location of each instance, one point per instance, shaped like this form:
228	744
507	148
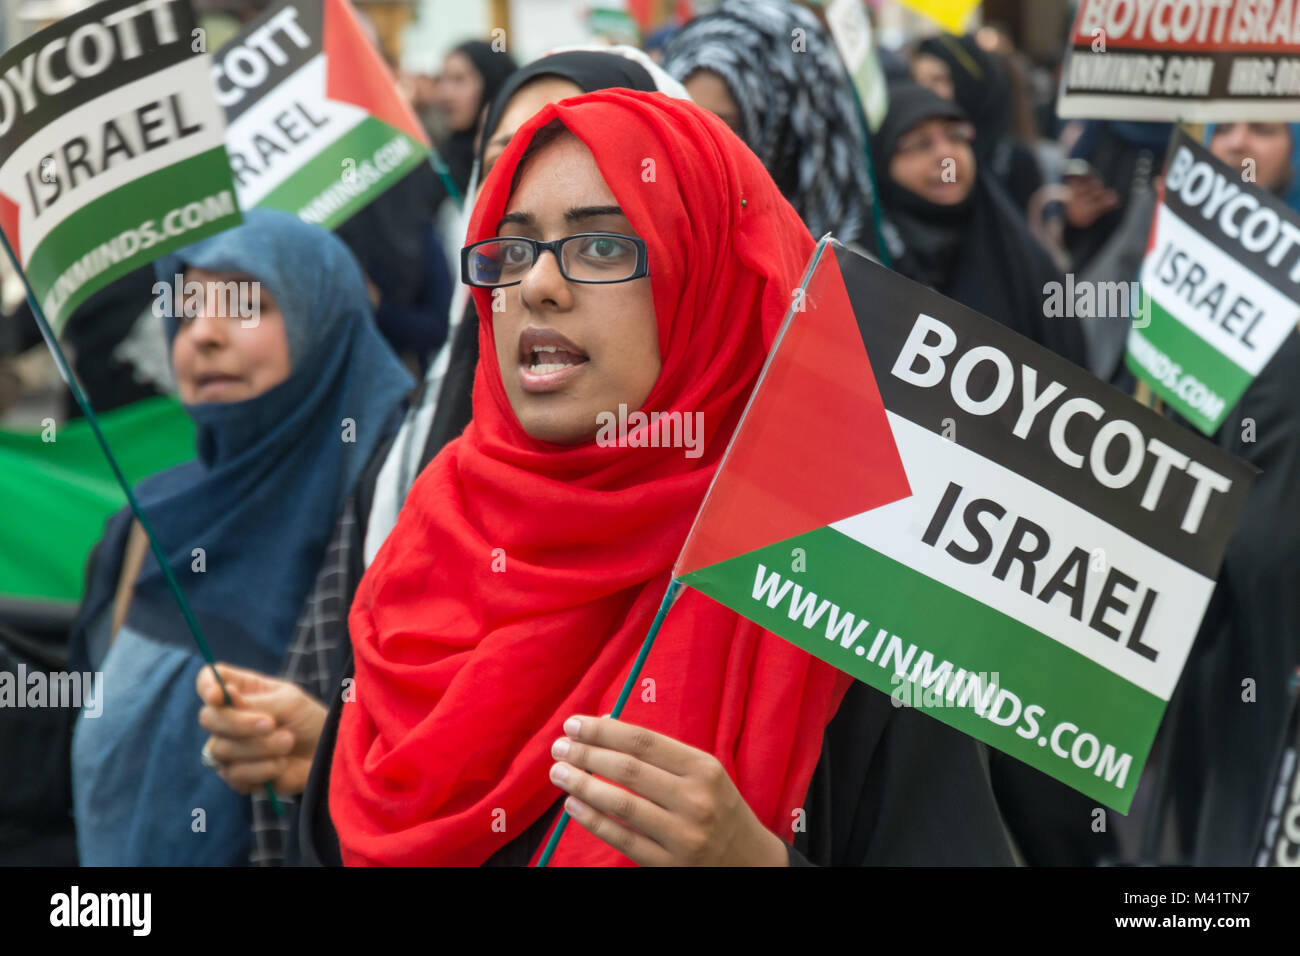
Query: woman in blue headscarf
292	390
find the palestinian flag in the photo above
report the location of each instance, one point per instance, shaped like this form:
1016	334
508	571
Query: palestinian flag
61	489
1040	585
111	149
1221	285
315	123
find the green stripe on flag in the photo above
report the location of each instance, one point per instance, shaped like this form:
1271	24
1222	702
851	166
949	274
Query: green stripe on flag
1194	357
59	492
1110	716
318	193
125	230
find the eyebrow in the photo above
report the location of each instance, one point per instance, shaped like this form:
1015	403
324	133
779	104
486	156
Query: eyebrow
574	214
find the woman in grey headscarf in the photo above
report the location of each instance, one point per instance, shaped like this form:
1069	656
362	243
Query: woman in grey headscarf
770	70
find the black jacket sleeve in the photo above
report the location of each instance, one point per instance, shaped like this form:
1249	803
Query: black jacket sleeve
314	841
895	787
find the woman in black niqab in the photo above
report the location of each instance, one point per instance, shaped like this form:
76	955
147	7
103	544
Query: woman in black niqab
977	250
983	90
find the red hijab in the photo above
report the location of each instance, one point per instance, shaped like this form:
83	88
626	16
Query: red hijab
465	674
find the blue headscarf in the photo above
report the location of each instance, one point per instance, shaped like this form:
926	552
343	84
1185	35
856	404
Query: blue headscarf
1290	193
260	501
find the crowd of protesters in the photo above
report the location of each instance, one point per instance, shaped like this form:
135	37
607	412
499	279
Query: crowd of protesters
398	690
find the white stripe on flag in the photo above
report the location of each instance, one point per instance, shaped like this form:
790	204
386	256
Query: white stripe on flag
190	77
305	87
1280	312
895	530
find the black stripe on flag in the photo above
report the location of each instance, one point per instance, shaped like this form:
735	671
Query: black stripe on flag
1278	276
154	56
235	57
887	307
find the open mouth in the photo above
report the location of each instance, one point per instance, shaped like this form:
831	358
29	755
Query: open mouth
547	360
214	381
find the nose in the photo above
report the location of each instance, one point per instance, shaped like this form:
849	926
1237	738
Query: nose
206	329
543	286
1236	137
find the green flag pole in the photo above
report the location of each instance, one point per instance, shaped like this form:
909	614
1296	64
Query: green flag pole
65	370
444	174
674	588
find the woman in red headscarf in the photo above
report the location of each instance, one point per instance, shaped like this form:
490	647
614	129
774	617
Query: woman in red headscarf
503	613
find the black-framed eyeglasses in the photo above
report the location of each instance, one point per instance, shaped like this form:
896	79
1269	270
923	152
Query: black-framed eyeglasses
593	257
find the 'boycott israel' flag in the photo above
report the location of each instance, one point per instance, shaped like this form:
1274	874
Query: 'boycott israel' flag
317	126
1222	275
111	148
1040	587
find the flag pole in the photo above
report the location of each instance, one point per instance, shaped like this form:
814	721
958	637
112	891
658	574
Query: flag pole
444	174
65	370
670	595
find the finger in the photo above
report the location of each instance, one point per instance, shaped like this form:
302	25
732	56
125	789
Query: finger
262	747
244	680
228	722
248	776
208	689
285	701
635	812
646	745
632	773
631	844
214	692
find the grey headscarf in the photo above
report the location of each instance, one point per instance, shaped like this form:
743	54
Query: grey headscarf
797	107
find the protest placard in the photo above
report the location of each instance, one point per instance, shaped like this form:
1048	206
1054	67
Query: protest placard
1221	283
317	126
1196	61
851	28
1040	587
1279	841
111	148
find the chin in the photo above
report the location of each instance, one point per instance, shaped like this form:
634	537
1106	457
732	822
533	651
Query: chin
557	432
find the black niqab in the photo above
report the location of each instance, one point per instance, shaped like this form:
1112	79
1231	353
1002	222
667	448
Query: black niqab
979	252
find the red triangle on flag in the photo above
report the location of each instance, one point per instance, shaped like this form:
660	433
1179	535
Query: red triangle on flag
9	218
814	446
357	74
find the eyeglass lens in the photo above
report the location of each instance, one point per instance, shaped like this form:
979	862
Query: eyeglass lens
583	258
